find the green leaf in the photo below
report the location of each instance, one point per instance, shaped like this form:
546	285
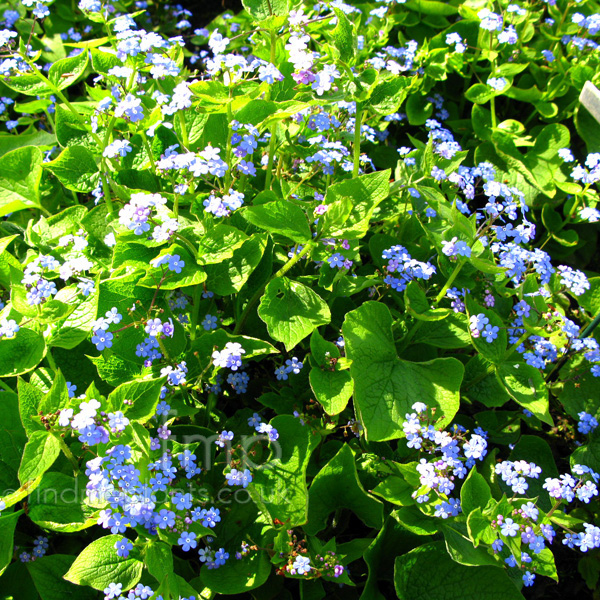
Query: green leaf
7	531
588	129
321	350
344	37
134	254
58	504
337	486
57	397
66	71
475	492
392	540
413	519
352	203
143	396
20	176
431	7
98	565
479	93
261	10
387	96
418	109
416	579
550	140
580	392
229	276
333	389
47	574
238	576
281	218
481	384
279	485
418	305
220	245
41	450
452	332
103	62
21	353
12	442
395	490
461	548
159	560
115	370
191	274
76	169
71	131
385	387
29	400
77	326
291	311
29	85
507	150
37	138
526	385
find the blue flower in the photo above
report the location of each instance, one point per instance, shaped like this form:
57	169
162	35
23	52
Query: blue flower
187	541
165	518
117	148
102	339
528	579
123	547
209	322
176	264
301	565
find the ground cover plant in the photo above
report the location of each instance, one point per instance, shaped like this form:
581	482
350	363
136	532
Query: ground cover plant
301	303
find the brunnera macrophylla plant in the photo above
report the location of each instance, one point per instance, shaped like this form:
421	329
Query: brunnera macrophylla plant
299	303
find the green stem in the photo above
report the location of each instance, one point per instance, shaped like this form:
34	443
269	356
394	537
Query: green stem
493	111
272	143
196	305
188	244
163	349
149	151
588	330
51	362
50	120
357	127
520	341
257	295
553	509
211	402
106	192
308	176
453	276
67	452
409	336
184	135
228	150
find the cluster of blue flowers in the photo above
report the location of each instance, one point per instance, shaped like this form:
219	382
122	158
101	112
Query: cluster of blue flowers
114	591
480	326
37	273
133	497
263	428
439	476
144	209
408	268
40	547
292	365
